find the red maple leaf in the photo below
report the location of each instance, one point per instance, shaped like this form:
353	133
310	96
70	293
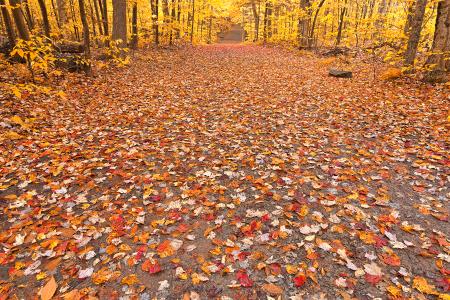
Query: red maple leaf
243	278
299	280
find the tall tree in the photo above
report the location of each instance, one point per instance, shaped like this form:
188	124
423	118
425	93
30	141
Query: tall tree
8	23
439	61
104	9
155	19
19	20
416	29
303	23
62	11
119	30
256	19
86	37
45	20
134	26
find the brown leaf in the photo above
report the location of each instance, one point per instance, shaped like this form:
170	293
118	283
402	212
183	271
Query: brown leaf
49	289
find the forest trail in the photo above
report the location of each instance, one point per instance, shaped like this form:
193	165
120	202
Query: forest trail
227	170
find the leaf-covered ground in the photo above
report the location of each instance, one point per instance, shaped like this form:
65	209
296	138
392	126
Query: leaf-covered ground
226	171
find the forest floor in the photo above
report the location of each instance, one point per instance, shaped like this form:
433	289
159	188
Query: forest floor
226	171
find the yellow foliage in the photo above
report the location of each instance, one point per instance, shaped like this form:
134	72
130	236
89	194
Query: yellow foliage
391	74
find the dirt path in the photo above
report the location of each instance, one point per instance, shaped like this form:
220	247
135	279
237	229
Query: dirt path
218	170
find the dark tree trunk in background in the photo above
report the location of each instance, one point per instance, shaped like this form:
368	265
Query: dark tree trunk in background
414	35
341	24
62	11
44	18
439	61
155	13
104	8
19	20
28	16
97	16
8	23
304	23
119	30
134	26
86	37
313	25
256	18
192	21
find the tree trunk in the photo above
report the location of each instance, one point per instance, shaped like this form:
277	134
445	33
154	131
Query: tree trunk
86	38
439	61
119	31
155	15
8	23
44	18
193	21
104	8
341	23
256	18
134	27
313	26
62	11
19	20
28	16
414	35
409	18
303	24
97	15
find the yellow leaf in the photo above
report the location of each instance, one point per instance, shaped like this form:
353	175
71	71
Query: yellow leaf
17	120
130	279
49	289
421	284
12	135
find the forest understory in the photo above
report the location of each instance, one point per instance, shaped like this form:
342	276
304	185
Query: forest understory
229	172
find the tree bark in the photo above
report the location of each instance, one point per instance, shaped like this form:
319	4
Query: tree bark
61	5
155	16
97	16
44	18
104	8
414	35
19	20
192	21
134	26
439	61
303	24
119	30
8	23
313	26
28	16
86	37
256	19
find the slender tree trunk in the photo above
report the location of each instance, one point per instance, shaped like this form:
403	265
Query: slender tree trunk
341	23
8	23
93	19
414	35
313	26
134	26
97	15
256	18
28	16
74	20
86	38
55	12
19	20
439	61
62	11
155	17
104	5
172	21
119	30
44	18
193	21
304	23
409	18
